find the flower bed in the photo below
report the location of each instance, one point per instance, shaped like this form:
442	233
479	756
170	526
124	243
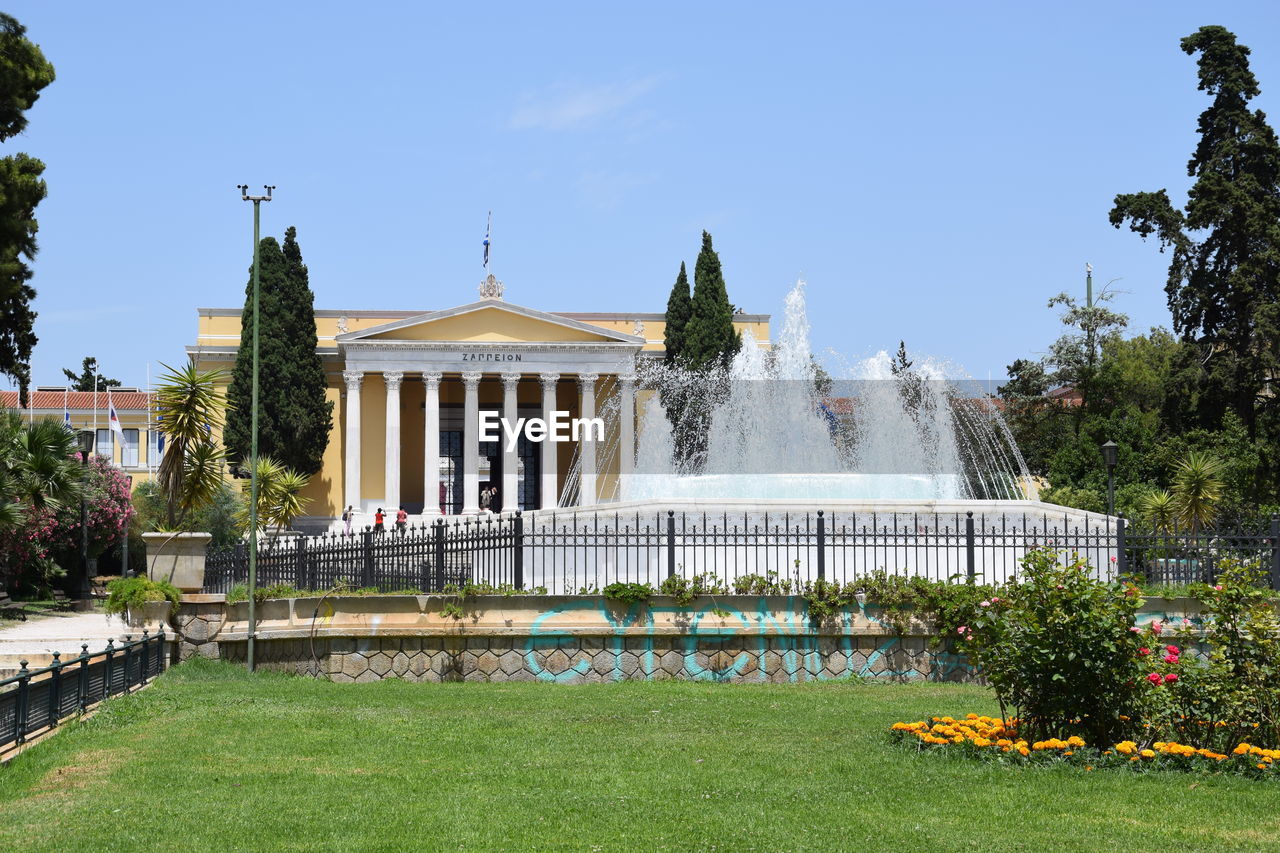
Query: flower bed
994	738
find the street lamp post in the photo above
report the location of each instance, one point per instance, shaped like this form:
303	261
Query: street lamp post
1110	451
125	570
85	440
253	429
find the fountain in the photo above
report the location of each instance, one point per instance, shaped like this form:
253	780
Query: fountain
778	427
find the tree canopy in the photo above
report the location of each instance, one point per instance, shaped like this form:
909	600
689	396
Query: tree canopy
709	337
294	416
1223	282
24	72
88	379
679	306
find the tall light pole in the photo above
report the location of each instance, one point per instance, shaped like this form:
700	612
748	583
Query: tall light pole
84	441
1110	454
253	427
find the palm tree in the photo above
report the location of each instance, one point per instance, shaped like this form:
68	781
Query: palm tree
190	407
279	494
1159	508
38	467
1197	487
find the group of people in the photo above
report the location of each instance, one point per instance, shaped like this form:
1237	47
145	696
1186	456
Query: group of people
488	498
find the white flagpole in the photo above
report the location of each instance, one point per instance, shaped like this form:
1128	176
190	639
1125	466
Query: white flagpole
95	413
151	439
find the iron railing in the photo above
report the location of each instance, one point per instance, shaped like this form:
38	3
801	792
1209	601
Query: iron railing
1178	556
567	552
34	701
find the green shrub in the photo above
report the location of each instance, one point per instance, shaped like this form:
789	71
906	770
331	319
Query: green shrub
1233	693
1061	650
132	593
628	593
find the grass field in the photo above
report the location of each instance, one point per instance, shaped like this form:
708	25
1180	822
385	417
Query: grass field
212	759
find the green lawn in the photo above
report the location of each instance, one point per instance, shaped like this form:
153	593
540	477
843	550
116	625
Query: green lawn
212	759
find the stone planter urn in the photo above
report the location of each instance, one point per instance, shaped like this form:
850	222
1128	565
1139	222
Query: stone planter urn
177	558
154	616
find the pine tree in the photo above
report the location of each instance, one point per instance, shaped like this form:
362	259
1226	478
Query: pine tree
679	307
709	337
24	72
294	418
1223	283
85	379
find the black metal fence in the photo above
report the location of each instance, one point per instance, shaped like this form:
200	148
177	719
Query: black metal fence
34	701
566	552
1194	556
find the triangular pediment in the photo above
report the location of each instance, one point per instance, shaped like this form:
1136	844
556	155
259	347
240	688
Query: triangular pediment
489	321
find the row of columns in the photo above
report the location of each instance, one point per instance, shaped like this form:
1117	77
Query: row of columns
470	444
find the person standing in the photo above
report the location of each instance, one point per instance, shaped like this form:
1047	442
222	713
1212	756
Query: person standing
484	499
378	518
346	520
402	520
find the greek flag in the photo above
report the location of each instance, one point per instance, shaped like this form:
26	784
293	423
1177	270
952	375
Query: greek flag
487	229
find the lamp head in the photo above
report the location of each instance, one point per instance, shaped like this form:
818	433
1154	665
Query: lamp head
85	440
1110	452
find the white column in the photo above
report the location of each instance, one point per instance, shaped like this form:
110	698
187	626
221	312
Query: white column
351	477
431	447
510	496
471	444
550	489
393	379
627	431
587	447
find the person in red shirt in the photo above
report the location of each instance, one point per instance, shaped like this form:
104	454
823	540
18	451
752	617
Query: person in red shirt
402	520
377	520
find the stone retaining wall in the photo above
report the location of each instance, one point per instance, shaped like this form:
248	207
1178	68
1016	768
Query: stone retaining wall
570	639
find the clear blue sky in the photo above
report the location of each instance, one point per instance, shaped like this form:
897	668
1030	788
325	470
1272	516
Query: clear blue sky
936	170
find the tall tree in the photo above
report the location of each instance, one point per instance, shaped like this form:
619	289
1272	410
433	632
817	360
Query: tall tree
24	72
709	336
308	411
293	414
1223	282
679	306
85	379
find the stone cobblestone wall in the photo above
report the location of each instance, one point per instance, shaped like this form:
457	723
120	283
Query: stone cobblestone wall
197	623
579	660
574	639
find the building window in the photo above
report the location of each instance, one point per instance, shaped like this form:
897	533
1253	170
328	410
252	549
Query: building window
129	452
104	444
155	447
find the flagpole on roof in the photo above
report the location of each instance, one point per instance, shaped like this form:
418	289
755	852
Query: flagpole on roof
150	438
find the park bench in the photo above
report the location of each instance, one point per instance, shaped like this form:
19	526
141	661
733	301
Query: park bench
11	609
61	601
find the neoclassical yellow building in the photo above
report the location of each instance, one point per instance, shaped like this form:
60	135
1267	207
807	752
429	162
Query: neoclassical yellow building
409	388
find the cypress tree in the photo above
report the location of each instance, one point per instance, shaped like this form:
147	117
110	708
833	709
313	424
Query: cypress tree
294	417
709	337
679	307
307	410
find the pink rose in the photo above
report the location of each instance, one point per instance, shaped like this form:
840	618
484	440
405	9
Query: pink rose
1170	659
1156	628
1217	587
1154	678
1173	650
1170	678
1144	651
985	604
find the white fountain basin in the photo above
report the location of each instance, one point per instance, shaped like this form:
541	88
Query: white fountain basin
814	488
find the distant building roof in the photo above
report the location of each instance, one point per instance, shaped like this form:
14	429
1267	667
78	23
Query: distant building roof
125	401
